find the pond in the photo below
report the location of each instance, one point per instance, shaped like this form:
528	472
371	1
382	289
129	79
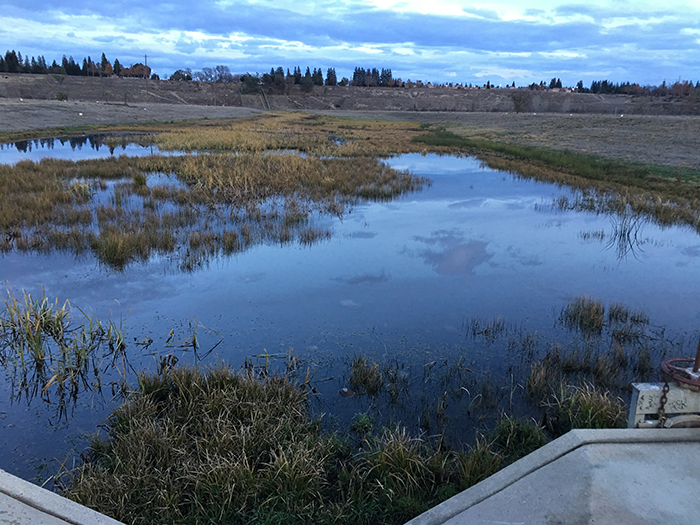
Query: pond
405	283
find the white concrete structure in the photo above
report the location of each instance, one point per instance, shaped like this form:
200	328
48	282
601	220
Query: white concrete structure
620	476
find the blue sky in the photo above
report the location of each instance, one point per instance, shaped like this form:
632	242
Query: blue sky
437	40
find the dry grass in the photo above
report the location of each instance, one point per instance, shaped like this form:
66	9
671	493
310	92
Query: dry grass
233	201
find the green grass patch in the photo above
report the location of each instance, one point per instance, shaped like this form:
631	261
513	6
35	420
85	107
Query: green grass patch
588	166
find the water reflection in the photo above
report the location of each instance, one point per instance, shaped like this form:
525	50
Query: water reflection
626	234
449	254
77	147
397	281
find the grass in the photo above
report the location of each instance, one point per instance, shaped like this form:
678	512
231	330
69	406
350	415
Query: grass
585	314
191	446
668	195
583	407
250	171
244	447
49	355
233	201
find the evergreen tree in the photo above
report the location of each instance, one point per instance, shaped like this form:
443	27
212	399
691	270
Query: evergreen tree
117	67
331	78
11	62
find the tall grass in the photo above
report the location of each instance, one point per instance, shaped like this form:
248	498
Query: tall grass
234	201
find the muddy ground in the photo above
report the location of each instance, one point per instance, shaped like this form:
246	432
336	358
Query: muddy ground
667	140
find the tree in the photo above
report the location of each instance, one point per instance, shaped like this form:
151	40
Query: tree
11	62
385	78
317	77
182	75
331	78
222	74
249	83
117	68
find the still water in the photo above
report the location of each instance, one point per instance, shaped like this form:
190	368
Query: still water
398	280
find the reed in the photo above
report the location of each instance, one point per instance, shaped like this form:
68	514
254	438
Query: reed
46	353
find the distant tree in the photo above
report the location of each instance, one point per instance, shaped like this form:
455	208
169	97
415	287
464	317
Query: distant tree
117	67
307	81
137	70
250	83
222	74
155	76
182	75
331	78
385	77
11	62
297	75
317	77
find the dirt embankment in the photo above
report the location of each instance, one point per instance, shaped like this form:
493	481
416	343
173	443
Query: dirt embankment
133	90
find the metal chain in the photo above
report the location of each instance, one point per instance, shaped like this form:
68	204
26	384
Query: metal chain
664	399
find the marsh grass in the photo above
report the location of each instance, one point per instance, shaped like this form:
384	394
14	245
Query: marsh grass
244	447
665	194
214	203
365	377
585	406
585	314
221	446
47	354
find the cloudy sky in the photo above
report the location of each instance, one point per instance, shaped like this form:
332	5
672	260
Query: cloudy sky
432	40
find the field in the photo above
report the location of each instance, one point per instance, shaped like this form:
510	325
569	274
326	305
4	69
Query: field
665	140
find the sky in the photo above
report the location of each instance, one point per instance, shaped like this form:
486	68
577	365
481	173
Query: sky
501	41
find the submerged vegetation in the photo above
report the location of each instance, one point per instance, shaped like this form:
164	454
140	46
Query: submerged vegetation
419	424
252	454
269	179
128	209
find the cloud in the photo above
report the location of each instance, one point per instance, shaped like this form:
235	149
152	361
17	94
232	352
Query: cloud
450	254
569	40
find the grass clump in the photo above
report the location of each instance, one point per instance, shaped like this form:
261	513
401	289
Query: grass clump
365	377
585	314
45	353
219	446
583	406
514	439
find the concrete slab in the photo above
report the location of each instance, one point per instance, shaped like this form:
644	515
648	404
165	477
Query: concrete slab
23	503
621	476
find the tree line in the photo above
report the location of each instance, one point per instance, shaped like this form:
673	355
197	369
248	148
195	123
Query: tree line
13	62
277	79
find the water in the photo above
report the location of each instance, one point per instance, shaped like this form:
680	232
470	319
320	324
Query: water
79	147
398	281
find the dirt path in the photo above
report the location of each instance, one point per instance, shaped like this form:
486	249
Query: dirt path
667	140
